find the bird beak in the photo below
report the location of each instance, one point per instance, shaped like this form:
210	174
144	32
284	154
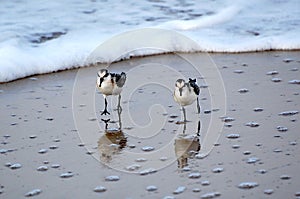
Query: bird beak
180	91
101	80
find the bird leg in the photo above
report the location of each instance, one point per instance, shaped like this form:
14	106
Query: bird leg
119	108
120	119
106	123
198	106
199	127
184	128
184	115
105	109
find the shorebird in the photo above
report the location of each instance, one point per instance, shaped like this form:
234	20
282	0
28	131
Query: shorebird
110	84
186	93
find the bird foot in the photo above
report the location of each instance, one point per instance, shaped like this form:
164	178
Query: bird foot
105	112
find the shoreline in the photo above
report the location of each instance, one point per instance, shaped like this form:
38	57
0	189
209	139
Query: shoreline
158	54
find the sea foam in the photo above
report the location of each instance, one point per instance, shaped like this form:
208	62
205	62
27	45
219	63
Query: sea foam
41	36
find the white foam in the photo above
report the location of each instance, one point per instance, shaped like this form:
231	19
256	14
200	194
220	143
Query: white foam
227	26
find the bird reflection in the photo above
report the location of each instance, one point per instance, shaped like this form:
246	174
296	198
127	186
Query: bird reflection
112	142
186	146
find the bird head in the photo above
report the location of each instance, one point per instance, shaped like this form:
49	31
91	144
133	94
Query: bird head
101	75
180	83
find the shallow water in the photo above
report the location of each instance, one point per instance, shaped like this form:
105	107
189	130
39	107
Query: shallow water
179	169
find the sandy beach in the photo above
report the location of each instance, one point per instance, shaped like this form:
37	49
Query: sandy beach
54	143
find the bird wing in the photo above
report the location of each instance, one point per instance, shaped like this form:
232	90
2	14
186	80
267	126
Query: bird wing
195	87
120	79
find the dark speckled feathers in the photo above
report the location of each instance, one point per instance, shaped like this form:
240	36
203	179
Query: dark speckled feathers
119	78
195	86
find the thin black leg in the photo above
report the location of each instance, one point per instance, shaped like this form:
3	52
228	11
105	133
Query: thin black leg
198	105
184	114
199	128
105	109
184	128
119	108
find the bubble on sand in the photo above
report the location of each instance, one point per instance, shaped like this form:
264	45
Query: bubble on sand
247	185
228	125
179	190
186	168
268	191
50	118
233	136
148	171
173	116
228	119
252	160
163	158
235	146
66	175
148	148
294	69
252	124
205	183
285	177
277	150
42	151
3	151
207	111
112	178
288	60
92	119
293	143
141	160
273	72
294	81
53	147
258	109
196	190
33	136
282	128
99	189
169	197
218	170
195	175
243	90
210	195
247	152
276	79
297	194
151	188
33	192
262	171
15	166
238	71
133	167
42	168
55	166
132	146
288	113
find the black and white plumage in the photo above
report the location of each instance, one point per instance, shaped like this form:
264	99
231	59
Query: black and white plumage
186	93
110	84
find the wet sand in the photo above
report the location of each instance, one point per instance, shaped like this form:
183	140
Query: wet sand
53	138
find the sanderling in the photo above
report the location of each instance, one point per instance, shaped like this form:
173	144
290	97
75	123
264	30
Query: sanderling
110	84
186	93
